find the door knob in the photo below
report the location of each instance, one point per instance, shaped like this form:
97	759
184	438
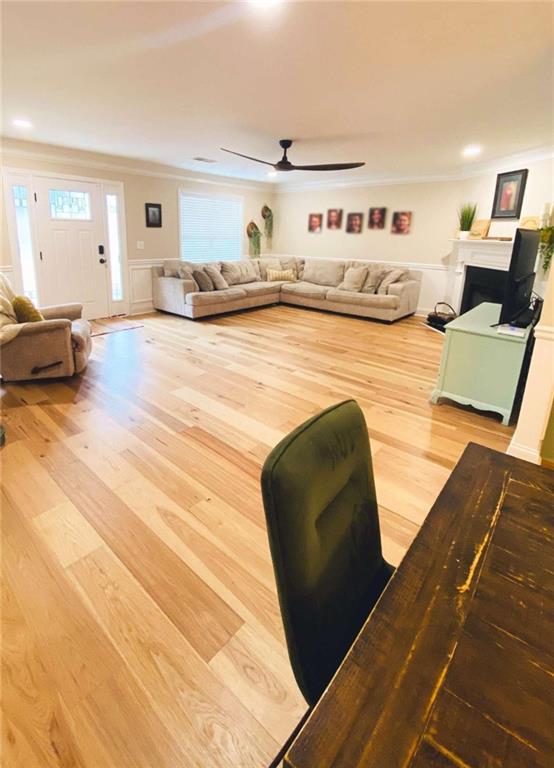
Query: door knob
102	261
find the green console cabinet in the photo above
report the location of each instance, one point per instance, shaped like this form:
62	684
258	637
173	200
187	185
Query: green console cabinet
480	366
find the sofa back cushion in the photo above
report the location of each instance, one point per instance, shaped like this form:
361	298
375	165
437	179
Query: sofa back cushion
324	272
239	272
171	267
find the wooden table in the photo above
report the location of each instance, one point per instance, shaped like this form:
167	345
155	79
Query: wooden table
455	666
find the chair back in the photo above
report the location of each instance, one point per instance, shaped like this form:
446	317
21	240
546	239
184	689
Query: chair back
323	527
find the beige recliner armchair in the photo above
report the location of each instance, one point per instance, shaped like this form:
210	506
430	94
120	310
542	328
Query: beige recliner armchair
59	345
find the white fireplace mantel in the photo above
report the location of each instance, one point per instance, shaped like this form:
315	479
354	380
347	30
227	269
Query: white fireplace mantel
490	254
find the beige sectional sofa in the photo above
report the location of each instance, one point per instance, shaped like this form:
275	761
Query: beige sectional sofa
383	292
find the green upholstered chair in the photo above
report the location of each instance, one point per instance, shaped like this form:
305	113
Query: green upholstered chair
323	527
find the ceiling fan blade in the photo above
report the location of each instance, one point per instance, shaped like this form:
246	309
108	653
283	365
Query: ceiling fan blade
327	167
247	157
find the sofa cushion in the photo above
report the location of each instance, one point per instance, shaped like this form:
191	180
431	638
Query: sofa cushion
303	288
215	297
262	288
391	276
216	277
238	272
354	279
362	299
324	272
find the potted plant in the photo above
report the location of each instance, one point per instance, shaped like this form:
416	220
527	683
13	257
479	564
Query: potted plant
466	216
254	238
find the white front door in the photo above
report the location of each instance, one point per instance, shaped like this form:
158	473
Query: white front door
72	264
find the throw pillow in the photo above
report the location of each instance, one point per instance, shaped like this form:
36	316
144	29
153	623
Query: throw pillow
239	272
375	274
266	263
216	277
25	310
354	279
185	273
289	262
391	276
281	274
203	280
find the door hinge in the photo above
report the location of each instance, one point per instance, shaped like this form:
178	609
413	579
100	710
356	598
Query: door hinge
35	196
40	253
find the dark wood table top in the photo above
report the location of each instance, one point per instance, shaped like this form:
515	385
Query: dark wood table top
455	666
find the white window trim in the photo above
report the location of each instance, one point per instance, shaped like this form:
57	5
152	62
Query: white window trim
210	195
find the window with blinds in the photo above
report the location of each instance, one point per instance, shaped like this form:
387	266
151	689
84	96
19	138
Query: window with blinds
210	227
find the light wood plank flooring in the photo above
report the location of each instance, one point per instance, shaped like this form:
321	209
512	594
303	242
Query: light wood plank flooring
140	622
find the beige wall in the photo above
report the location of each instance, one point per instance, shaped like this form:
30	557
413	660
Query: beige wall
144	182
434	206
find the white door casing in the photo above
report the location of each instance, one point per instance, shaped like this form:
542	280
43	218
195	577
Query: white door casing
70	267
103	289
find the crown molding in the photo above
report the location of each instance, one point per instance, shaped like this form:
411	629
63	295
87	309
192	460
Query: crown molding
9	154
477	169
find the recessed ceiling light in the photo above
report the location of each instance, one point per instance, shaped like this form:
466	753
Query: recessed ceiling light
472	150
20	122
271	174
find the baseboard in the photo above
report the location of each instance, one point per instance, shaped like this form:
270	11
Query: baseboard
524	452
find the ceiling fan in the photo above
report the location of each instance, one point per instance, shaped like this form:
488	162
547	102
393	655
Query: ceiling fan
284	163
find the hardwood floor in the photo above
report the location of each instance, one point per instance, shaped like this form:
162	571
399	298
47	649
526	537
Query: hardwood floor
140	620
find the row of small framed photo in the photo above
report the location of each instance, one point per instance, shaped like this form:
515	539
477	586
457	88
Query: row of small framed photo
401	222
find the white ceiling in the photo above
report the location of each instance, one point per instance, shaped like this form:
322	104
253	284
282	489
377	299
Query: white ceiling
401	86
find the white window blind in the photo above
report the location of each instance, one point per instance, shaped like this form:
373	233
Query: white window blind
210	227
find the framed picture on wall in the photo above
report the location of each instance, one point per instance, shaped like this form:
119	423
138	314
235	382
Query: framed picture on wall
354	223
401	223
334	218
315	222
376	218
153	214
508	195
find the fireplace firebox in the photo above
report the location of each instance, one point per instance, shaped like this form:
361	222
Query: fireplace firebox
482	284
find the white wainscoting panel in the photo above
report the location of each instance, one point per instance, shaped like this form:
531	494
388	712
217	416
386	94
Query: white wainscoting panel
140	286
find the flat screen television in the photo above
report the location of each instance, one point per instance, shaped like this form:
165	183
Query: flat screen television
521	275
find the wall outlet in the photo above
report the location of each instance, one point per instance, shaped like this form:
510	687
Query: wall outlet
140	245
